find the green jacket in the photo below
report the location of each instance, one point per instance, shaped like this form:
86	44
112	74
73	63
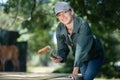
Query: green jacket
84	44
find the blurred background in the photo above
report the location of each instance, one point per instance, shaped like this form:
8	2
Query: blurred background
31	24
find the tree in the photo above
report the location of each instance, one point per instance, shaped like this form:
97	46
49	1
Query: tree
104	19
34	23
37	19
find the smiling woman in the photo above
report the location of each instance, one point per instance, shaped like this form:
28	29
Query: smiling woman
74	31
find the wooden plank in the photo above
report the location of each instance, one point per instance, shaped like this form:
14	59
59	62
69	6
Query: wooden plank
34	76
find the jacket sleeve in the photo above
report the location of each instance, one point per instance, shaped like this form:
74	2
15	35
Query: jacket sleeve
63	49
84	43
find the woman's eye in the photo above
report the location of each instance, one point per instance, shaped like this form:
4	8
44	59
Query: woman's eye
65	12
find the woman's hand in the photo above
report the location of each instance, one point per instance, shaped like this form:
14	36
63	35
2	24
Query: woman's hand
56	59
74	74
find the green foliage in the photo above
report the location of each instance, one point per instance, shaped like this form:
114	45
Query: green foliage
104	21
37	18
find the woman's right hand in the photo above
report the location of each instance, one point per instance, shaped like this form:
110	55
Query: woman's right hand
56	59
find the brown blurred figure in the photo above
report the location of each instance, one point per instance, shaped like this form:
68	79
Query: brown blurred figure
9	52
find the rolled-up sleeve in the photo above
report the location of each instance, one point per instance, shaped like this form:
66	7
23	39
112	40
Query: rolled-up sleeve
83	45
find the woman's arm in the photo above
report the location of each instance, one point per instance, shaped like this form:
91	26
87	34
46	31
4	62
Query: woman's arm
84	43
74	73
62	47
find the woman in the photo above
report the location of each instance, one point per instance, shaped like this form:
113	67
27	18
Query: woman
75	32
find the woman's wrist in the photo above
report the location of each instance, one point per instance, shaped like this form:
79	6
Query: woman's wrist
75	70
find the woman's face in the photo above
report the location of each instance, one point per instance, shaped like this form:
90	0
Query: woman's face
65	17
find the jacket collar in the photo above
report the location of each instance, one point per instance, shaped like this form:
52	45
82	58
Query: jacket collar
75	27
64	30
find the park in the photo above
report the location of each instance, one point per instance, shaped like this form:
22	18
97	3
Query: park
26	26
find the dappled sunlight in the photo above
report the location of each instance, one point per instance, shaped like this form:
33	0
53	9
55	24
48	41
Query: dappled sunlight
36	24
42	69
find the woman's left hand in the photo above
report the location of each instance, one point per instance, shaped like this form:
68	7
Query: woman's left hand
73	76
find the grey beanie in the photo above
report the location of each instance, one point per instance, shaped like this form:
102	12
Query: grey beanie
61	6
